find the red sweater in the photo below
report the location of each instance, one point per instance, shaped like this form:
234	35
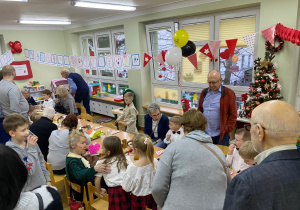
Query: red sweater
228	109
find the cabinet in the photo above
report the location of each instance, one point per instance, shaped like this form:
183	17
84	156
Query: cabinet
103	108
36	93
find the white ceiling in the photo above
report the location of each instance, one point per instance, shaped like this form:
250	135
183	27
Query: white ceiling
10	12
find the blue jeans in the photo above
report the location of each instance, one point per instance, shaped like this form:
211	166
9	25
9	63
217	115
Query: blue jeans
160	144
225	140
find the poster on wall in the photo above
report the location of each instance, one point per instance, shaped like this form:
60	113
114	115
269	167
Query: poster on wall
60	60
86	62
26	52
126	61
48	58
73	61
42	58
79	62
53	60
31	55
135	61
66	61
36	56
93	62
117	62
23	69
109	63
101	62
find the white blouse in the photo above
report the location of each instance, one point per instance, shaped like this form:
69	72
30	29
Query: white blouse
114	178
138	180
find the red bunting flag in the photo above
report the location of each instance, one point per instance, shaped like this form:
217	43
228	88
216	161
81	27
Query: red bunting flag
231	43
215	47
147	58
193	60
269	34
206	51
160	58
250	41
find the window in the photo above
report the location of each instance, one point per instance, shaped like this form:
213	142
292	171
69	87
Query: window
201	30
122	88
105	43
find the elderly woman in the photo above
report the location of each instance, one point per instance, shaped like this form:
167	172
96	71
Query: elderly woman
78	169
156	125
192	172
67	100
27	96
59	145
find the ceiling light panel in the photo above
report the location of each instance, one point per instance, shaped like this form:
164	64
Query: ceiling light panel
102	6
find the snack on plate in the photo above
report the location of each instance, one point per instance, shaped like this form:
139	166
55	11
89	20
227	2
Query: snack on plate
96	134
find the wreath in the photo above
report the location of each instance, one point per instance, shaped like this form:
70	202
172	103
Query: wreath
274	49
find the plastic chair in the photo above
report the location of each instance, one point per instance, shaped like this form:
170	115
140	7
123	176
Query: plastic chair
224	149
109	125
101	202
76	188
55	179
134	102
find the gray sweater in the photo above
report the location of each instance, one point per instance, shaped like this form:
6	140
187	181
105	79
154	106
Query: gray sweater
34	162
69	104
189	176
11	99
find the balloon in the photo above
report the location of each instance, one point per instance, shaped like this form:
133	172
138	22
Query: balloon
17	42
11	44
225	55
173	56
188	49
13	51
235	58
180	38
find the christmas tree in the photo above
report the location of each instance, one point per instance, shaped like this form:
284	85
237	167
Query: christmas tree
265	86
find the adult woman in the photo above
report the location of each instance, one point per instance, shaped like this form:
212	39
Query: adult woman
67	100
156	125
78	169
189	173
59	145
13	176
27	96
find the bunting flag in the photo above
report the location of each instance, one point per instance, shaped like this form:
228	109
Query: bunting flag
215	47
147	58
206	51
160	58
250	41
231	43
193	60
269	34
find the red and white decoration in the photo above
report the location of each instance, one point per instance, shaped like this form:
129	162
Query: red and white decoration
231	44
250	41
206	51
160	58
193	60
269	34
215	47
147	58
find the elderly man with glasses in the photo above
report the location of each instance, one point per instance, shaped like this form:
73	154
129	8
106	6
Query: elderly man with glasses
274	182
218	104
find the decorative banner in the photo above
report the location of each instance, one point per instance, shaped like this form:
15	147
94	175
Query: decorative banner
117	62
93	62
48	58
86	62
73	61
147	58
193	60
53	60
42	58
80	62
66	61
36	56
26	52
231	43
135	61
206	51
126	62
269	34
109	63
250	41
215	47
101	62
160	58
60	60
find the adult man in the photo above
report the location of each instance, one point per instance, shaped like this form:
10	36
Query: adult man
79	88
274	182
43	129
218	104
11	98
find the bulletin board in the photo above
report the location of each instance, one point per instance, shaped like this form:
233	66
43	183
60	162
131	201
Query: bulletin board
23	69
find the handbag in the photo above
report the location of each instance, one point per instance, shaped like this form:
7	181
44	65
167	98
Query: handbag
75	205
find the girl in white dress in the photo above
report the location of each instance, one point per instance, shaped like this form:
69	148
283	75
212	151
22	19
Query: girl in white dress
139	175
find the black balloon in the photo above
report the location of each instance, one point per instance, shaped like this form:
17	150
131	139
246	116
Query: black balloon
188	49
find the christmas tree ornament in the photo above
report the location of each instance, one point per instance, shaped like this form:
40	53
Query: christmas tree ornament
258	89
274	80
264	63
263	81
256	81
277	90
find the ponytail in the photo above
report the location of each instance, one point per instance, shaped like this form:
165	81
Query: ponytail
144	144
150	152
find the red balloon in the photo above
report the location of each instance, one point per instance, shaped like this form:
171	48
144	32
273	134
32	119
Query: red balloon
17	42
11	44
225	55
13	51
18	47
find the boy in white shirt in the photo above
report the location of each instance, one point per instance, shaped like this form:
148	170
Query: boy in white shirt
233	157
48	102
175	133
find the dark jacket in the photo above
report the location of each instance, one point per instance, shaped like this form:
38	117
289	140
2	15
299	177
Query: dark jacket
43	129
31	101
82	87
273	184
228	110
162	128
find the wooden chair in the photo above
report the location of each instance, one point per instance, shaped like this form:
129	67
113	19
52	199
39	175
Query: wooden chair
82	108
56	180
101	202
76	188
110	125
224	149
86	116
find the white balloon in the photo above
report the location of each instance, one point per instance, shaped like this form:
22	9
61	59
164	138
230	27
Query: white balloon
173	56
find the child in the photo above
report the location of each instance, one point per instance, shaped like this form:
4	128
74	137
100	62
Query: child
248	153
175	133
16	126
233	158
114	156
30	112
139	176
129	114
35	117
48	102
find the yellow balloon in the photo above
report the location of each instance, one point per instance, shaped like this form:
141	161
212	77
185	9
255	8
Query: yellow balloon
181	38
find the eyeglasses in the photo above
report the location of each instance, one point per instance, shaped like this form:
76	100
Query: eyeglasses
155	115
213	83
248	126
